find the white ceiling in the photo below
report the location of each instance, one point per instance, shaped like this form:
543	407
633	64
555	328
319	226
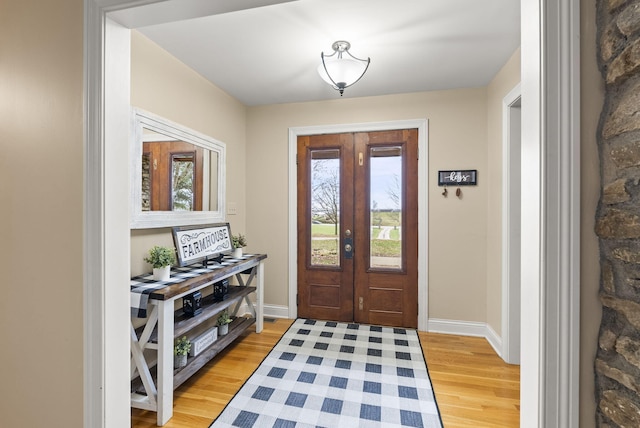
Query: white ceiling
269	54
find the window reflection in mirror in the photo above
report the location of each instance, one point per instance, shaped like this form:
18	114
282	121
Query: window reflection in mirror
179	174
184	182
173	176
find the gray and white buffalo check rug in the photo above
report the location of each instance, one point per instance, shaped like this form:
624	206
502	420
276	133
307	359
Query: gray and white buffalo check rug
337	375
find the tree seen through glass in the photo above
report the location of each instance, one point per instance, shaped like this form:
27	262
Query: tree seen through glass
182	192
385	210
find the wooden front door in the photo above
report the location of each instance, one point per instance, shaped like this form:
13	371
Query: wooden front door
357	227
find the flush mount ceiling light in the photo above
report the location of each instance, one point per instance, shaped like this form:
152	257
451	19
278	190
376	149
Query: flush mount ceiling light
339	70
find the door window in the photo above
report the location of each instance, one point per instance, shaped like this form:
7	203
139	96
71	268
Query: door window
325	207
385	196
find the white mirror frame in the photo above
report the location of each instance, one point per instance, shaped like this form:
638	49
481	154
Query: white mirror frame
153	219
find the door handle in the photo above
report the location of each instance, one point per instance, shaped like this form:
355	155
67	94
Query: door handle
348	248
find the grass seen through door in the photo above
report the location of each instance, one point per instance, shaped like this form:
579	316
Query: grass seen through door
325	240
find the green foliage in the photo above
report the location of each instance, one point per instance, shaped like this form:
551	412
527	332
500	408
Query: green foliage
385	218
324	252
238	241
161	256
182	346
224	318
385	248
324	230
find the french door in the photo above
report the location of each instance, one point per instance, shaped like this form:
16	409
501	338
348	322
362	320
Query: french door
357	227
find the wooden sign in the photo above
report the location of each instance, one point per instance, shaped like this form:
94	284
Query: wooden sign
197	243
467	177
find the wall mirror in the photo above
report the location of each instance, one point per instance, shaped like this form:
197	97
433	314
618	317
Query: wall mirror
178	174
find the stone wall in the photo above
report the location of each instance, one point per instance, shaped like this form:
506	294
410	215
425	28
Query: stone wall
146	182
617	363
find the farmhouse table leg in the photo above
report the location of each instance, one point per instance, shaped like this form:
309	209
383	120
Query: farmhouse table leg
260	297
140	364
165	361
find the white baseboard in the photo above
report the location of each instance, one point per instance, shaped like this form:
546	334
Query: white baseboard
276	311
467	328
462	328
494	340
271	311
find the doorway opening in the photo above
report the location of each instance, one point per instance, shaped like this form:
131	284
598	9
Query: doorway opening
511	225
106	350
357	221
422	203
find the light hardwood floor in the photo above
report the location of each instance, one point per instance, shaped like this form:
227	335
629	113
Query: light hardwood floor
474	387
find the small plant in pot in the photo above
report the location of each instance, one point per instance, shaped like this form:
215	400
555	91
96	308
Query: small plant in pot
161	258
180	351
223	323
239	242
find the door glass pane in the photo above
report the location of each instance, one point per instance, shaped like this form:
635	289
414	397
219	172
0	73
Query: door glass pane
385	196
182	173
325	207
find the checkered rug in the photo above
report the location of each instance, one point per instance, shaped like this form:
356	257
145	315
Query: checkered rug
337	375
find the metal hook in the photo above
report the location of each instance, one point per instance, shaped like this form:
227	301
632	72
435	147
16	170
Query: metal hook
445	192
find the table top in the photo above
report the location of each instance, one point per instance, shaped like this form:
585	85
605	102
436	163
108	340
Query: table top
184	279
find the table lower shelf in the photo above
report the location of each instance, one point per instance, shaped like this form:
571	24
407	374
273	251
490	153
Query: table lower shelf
236	329
183	324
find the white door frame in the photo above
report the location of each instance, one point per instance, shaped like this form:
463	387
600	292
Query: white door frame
550	297
550	267
511	136
423	208
106	261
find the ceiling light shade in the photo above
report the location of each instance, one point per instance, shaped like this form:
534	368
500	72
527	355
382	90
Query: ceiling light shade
340	70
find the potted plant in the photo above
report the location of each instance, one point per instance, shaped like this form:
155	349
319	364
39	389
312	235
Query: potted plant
161	258
238	241
180	351
223	323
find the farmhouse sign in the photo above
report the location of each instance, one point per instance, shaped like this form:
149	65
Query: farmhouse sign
195	243
458	178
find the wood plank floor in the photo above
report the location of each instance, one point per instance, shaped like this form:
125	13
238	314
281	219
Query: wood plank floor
473	386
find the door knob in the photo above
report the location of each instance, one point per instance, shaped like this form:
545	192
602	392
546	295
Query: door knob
348	248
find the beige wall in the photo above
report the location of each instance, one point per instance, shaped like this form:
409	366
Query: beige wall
457	227
506	79
592	95
41	122
164	86
41	194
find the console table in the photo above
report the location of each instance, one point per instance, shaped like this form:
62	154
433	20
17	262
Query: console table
153	376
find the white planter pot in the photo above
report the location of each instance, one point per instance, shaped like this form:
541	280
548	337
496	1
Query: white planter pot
237	253
161	274
223	329
179	361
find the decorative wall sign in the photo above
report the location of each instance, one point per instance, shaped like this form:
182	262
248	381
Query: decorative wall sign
198	243
467	177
